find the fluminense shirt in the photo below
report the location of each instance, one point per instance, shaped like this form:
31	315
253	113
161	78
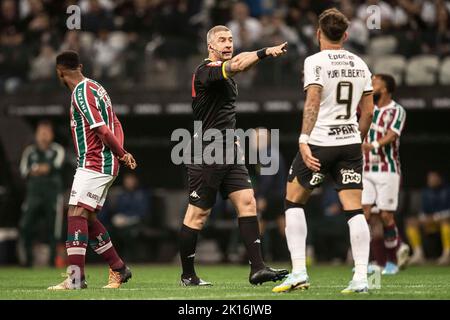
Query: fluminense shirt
90	108
386	158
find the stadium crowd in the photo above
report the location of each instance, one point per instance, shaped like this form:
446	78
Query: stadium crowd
121	38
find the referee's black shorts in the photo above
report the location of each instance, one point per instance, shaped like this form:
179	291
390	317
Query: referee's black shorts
206	179
343	163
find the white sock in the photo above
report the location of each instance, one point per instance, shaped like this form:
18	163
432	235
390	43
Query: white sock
296	232
360	242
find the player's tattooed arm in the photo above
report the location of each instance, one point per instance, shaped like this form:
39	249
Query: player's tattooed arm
246	60
310	113
311	108
366	114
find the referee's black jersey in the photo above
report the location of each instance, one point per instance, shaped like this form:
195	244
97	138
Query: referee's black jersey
213	96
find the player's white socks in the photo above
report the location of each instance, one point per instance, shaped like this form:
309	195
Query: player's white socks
360	242
296	232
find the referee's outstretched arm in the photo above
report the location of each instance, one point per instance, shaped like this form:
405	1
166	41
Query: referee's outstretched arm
246	60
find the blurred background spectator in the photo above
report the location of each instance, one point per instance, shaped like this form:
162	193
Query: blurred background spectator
429	231
246	30
127	212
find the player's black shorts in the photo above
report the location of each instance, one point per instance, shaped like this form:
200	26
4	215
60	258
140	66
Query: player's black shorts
205	180
343	163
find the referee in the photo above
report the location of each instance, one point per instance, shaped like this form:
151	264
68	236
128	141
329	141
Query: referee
214	93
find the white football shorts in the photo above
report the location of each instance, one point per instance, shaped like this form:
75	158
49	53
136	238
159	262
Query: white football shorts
89	189
381	189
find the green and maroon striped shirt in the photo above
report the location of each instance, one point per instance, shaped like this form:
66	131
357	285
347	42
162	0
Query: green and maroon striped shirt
386	158
90	108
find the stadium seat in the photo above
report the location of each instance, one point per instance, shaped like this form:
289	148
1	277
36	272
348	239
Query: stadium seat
444	78
390	64
421	70
382	45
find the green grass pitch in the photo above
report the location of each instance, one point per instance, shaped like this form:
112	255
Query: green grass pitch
230	282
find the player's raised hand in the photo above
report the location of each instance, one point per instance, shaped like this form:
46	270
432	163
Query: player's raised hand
277	50
129	161
310	161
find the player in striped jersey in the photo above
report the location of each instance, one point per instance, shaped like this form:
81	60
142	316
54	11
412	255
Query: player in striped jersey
381	178
98	139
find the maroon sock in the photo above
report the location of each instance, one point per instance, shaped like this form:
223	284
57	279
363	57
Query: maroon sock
391	242
100	242
378	251
76	244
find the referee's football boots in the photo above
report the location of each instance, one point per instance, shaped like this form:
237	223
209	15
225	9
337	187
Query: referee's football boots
267	274
193	281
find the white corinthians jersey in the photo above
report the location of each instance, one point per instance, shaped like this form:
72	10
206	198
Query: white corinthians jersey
344	78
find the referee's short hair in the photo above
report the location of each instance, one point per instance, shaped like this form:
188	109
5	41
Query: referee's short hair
389	81
213	31
69	59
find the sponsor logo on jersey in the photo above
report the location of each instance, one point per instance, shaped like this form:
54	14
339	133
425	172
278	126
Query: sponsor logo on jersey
101	92
341	63
73	193
317	178
350	176
342	130
80	99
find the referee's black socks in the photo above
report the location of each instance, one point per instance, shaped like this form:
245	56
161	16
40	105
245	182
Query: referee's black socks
188	242
249	229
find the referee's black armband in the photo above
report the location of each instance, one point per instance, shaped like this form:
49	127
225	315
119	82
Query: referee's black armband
261	53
